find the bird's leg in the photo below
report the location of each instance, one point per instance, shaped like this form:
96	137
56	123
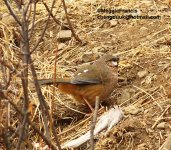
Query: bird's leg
89	105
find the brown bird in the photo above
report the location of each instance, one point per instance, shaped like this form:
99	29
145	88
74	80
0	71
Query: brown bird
89	81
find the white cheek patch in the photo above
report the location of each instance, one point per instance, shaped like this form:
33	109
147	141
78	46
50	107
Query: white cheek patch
85	70
79	74
114	63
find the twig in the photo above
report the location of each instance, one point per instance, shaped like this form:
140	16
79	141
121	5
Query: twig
24	75
6	78
159	118
9	80
12	12
107	120
148	95
51	14
33	20
52	101
27	61
15	132
158	98
47	141
18	3
6	140
27	7
44	30
74	127
43	104
6	64
22	129
93	123
69	23
61	102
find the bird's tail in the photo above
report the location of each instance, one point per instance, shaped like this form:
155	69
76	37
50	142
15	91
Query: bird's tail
53	81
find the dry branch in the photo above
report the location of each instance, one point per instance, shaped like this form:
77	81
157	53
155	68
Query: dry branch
27	62
47	140
93	123
69	23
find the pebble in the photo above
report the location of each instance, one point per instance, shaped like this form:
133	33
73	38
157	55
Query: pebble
161	125
142	74
64	35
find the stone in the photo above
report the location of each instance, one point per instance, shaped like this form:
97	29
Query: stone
133	110
61	46
113	23
142	74
161	125
64	35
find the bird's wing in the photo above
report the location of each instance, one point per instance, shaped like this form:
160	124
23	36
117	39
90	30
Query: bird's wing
86	75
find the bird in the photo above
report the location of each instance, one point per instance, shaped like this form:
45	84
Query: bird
89	81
